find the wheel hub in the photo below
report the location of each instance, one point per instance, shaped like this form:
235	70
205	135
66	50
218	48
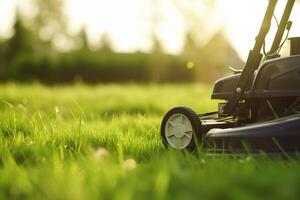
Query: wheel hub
179	131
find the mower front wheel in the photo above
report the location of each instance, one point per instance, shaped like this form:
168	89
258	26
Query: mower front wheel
181	129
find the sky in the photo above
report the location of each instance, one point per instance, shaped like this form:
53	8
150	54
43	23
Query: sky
129	23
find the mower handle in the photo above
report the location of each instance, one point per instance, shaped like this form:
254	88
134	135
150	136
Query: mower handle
284	22
253	60
255	57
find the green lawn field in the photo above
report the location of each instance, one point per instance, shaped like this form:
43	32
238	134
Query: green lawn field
102	142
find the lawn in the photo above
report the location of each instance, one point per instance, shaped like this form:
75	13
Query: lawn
102	142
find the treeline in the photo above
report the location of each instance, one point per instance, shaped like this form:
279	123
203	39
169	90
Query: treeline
25	57
92	67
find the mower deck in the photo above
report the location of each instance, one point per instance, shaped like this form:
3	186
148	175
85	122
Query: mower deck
279	135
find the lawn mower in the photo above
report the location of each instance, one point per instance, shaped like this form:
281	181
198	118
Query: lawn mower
261	103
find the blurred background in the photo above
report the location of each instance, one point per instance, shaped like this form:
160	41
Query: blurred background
99	41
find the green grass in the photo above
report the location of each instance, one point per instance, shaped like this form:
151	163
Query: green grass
102	142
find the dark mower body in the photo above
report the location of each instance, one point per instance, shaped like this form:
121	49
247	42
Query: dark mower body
274	78
261	112
273	100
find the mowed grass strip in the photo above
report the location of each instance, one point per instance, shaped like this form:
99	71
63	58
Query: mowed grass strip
102	142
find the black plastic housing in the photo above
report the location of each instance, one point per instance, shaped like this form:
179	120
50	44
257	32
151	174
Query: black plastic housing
294	46
274	78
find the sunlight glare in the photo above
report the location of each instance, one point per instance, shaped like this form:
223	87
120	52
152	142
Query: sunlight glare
243	19
131	23
128	23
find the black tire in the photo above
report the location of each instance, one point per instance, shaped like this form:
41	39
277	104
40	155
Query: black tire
195	122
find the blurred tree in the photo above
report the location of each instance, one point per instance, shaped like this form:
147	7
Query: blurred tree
157	46
105	44
159	60
22	40
2	59
191	48
84	39
50	21
20	46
